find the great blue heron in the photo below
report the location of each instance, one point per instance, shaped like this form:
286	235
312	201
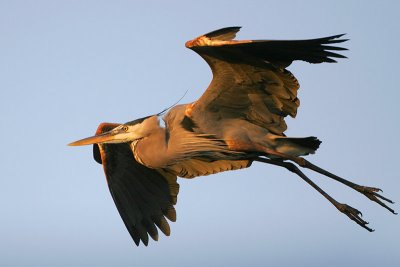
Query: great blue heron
239	119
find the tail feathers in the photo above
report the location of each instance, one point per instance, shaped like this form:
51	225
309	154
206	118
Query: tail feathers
296	146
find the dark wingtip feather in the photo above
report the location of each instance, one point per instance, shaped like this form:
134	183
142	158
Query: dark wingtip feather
152	230
338	48
143	235
337	35
331	54
163	225
335	39
170	213
135	235
228	33
326	54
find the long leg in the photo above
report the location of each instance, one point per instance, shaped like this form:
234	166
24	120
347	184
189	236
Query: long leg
351	212
369	192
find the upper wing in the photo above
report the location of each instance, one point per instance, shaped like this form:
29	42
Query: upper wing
249	76
143	196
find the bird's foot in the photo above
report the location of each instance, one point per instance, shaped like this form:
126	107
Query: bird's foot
369	192
353	214
372	194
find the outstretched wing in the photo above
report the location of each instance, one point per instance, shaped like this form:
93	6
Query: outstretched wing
143	196
249	76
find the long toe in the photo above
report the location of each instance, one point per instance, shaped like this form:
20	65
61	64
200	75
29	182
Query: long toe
353	214
372	194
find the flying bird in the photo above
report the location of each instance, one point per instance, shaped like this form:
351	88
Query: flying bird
239	119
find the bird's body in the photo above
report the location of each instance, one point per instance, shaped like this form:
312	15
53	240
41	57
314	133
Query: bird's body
238	120
200	151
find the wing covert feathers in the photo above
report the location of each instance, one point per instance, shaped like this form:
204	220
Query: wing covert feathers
250	79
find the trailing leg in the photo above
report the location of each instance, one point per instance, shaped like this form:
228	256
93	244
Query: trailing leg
349	211
369	192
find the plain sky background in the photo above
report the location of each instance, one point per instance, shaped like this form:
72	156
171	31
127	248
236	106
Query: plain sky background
66	66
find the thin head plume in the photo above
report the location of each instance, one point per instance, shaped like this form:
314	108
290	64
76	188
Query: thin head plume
173	105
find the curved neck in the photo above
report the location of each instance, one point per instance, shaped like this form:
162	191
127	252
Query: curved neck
152	151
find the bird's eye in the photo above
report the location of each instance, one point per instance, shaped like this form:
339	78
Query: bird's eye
125	128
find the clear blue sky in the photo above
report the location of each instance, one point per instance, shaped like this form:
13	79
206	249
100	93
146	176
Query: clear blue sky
66	66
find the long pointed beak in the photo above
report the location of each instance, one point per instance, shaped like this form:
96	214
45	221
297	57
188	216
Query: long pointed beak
101	138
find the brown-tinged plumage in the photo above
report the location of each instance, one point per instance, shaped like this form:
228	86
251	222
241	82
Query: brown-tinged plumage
239	119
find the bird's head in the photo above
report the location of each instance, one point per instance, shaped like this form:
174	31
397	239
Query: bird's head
124	133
